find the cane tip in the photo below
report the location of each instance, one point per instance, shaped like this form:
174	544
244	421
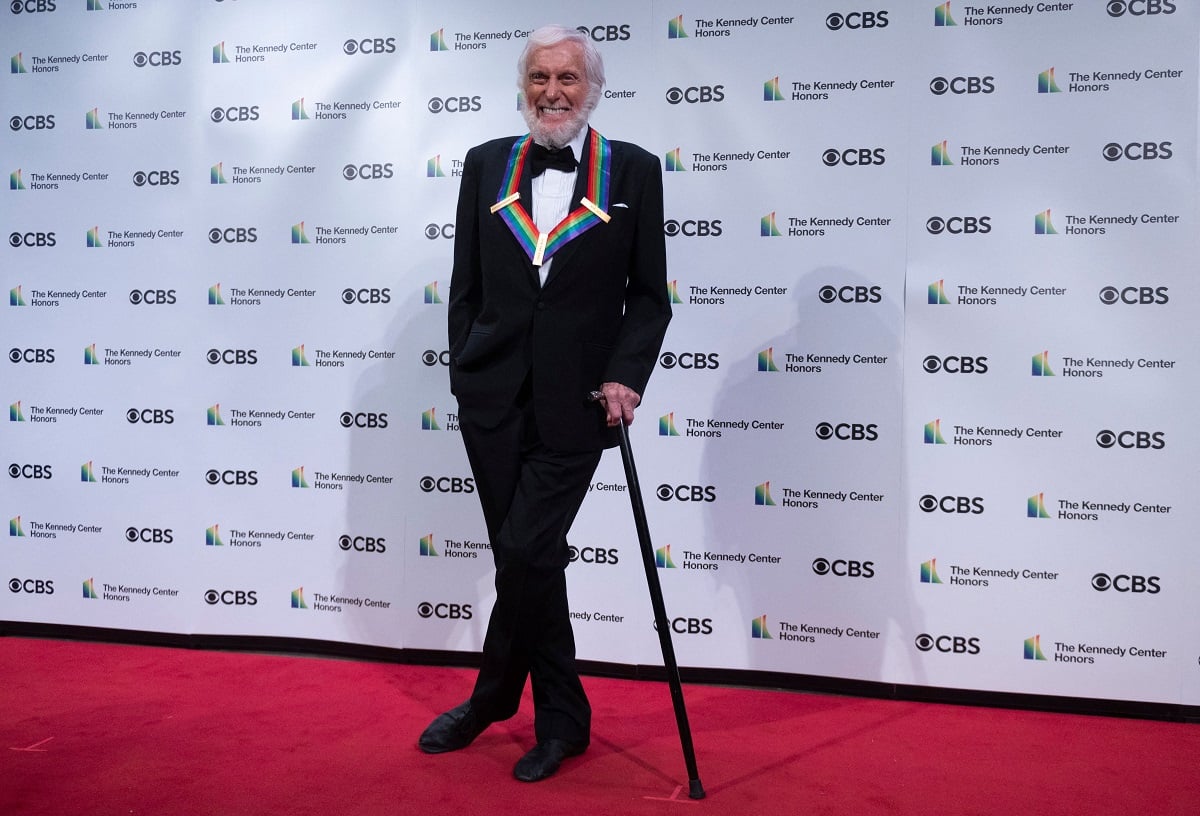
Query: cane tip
695	789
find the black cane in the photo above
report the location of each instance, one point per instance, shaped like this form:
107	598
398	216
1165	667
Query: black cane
661	622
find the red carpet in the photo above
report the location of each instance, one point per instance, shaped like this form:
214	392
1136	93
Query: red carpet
100	729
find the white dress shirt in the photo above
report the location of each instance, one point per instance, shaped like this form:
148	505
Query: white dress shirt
552	196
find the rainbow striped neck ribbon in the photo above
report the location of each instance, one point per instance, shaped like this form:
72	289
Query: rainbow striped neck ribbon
592	209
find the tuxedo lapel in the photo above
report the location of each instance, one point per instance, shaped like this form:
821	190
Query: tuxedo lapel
526	189
563	257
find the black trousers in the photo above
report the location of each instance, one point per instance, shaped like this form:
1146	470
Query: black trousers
530	496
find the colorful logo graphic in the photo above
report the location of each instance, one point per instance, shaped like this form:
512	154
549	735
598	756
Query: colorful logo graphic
674	162
1033	648
94	5
675	29
433	167
771	92
298	599
93	120
89	589
673	293
1046	83
1041	365
1042	225
762	495
298	479
429	420
298	236
214	295
214	415
216	174
15	414
766	360
758	628
219	57
768	228
937	293
939	154
941	15
89	355
662	558
666	425
15	298
437	40
212	536
929	572
86	473
298	357
431	293
298	111
15	528
14	180
933	433
427	549
17	64
93	238
1036	507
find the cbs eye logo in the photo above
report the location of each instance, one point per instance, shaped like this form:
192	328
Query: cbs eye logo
1139	8
431	358
856	20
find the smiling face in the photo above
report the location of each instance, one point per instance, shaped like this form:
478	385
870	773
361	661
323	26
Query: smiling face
556	93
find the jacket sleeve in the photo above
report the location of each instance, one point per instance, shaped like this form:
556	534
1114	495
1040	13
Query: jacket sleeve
466	283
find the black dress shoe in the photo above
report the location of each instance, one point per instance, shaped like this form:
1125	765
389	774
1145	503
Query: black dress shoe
545	757
455	729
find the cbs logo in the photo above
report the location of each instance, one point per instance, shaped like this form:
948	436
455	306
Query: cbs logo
369	45
1136	151
435	231
447	484
157	59
696	93
693	228
31	355
353	296
152	297
850	294
848	431
1132	440
959	225
32	122
31	586
454	104
231	477
364	544
689	360
1134	295
948	644
853	156
940	85
30	471
606	33
234	113
689	626
855	20
431	358
686	493
1126	583
367	172
445	611
31	6
149	535
954	364
1139	8
951	504
150	416
156	178
233	235
232	356
594	555
844	568
32	239
363	420
231	597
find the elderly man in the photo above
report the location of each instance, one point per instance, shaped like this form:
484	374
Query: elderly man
558	289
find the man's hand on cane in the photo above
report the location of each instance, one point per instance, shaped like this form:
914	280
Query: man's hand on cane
619	402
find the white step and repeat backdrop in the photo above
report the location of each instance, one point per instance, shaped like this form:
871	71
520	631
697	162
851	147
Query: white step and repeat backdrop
924	416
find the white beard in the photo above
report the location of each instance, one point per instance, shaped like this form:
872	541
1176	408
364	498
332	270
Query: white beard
554	135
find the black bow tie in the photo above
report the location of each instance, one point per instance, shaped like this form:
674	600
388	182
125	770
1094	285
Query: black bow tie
543	158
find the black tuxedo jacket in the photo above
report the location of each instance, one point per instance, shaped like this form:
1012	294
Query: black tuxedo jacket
600	317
